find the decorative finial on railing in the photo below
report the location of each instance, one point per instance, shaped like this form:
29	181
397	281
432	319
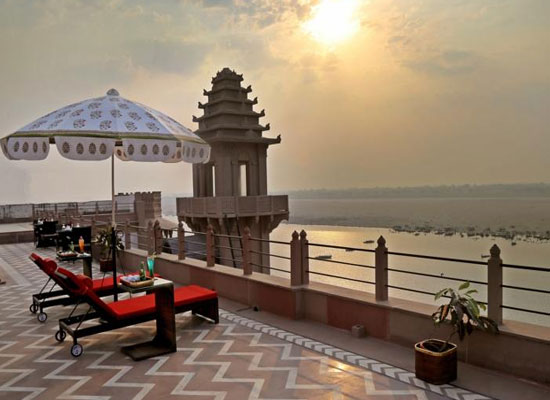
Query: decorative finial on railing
381	241
303	235
495	251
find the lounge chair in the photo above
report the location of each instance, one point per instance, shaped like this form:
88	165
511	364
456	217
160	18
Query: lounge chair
123	313
62	296
45	233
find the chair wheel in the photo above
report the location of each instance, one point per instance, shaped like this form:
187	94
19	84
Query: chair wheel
60	336
76	350
33	308
42	317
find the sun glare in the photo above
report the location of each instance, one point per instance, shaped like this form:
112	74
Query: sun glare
333	21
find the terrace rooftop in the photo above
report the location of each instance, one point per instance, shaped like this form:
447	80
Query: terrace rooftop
247	355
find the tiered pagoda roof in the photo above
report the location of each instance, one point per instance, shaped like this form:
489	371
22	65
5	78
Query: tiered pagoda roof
228	113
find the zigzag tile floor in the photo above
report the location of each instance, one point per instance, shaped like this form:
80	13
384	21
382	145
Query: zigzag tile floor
237	359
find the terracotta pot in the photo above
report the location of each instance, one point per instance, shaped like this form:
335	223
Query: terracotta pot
434	366
106	265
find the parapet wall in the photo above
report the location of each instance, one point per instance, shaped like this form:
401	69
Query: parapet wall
520	349
16	213
139	206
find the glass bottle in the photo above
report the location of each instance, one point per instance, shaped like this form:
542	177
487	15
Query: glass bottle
81	244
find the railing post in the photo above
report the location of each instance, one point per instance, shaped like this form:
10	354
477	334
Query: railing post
381	269
247	267
494	285
94	231
304	252
210	259
181	241
158	237
295	260
150	238
127	242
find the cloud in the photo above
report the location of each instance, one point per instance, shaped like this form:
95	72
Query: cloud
168	56
445	63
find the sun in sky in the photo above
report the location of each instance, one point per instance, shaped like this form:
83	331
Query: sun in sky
333	21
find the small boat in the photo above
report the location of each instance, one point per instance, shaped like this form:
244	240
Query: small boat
485	256
368	241
324	257
514	243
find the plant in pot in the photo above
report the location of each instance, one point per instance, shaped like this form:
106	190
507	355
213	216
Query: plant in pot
103	239
436	360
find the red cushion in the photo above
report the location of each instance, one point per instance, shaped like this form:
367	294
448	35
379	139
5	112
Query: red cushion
191	294
77	284
133	307
48	266
45	264
102	284
143	305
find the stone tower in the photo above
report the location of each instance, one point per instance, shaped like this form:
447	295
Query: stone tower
230	191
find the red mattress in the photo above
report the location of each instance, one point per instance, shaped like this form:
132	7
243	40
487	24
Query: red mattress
143	305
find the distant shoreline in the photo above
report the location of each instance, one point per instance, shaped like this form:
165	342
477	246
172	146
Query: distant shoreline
518	190
509	218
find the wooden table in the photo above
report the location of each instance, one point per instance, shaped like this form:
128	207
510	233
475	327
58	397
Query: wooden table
86	262
164	341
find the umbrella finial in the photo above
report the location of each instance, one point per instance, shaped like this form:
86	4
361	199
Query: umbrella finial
112	92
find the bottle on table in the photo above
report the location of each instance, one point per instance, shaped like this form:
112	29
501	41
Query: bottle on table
81	244
142	276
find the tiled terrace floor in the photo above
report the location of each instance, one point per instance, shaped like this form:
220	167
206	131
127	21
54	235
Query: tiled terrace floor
237	359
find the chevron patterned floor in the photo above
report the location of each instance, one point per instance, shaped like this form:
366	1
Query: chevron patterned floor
237	359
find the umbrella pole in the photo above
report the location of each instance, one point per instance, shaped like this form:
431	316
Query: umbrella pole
113	221
113	226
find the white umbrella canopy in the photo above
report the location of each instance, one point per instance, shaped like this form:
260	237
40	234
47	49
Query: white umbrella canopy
97	128
103	127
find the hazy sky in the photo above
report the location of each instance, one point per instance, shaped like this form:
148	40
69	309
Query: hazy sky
363	93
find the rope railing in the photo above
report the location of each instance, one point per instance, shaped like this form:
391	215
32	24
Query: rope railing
437	258
270	268
337	247
526	289
423	292
341	262
441	276
219	246
526	310
340	277
269	241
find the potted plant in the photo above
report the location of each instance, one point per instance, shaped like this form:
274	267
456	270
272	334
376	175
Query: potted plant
103	239
436	360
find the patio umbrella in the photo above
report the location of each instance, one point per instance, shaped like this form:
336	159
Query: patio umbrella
104	127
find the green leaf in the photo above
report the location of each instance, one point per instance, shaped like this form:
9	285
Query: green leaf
473	307
465	285
440	293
